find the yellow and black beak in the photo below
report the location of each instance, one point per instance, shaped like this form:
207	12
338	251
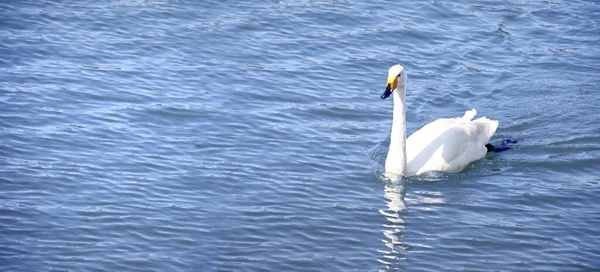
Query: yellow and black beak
391	85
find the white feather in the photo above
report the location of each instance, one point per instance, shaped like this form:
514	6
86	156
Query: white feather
448	145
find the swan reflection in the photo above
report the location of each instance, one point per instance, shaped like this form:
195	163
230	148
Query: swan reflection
393	230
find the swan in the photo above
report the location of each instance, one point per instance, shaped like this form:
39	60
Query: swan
445	145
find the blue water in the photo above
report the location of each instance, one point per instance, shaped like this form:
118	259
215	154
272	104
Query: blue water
250	136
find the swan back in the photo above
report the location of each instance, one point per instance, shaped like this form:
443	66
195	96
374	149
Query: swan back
449	144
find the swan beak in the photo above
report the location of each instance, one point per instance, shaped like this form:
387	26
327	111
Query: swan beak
387	92
392	83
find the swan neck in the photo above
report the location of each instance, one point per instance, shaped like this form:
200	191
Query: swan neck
397	153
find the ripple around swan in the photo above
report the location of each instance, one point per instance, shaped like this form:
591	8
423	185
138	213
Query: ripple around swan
171	135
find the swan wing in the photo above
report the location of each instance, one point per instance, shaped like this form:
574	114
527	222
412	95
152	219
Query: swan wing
448	144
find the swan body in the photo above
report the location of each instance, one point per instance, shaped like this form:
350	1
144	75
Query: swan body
445	145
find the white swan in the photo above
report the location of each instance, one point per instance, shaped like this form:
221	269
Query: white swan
446	145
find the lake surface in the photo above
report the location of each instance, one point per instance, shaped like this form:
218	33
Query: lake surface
250	136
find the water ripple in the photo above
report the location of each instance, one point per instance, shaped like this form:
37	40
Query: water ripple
169	136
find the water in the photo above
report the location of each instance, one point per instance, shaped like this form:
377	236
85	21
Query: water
250	136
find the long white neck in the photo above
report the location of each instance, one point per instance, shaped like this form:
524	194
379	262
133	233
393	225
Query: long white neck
396	159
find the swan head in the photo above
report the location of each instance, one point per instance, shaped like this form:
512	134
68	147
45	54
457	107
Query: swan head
396	78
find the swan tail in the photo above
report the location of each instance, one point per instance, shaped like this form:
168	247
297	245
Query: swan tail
469	114
505	145
489	126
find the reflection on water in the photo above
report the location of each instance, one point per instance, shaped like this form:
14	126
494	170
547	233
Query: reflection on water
396	251
393	231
